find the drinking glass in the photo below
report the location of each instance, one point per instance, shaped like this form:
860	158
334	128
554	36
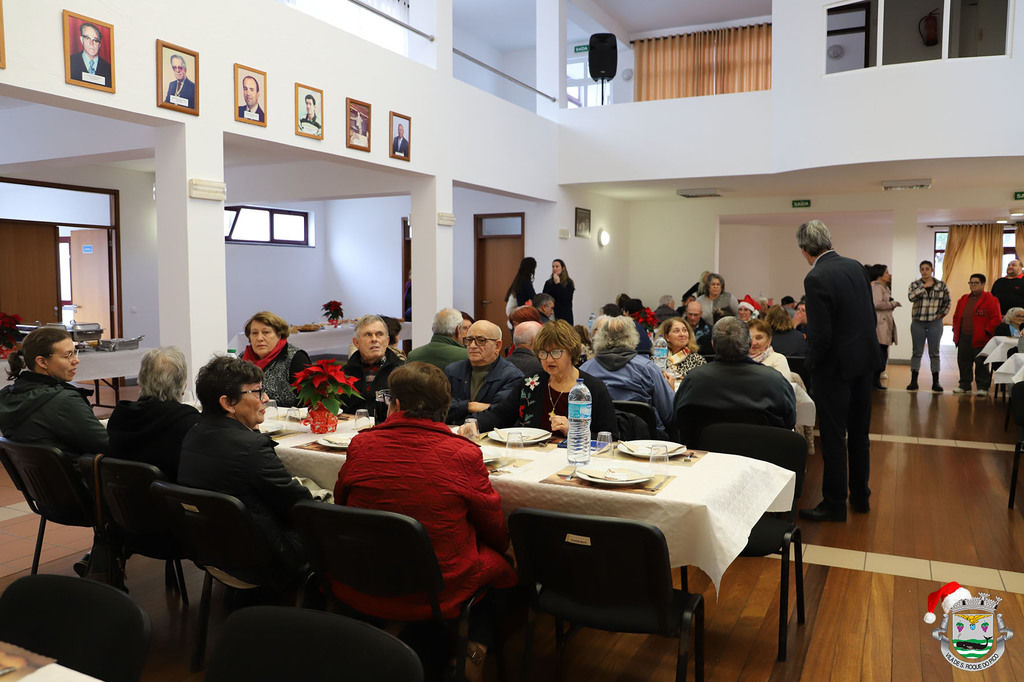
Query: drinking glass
470	429
659	456
383	401
604	442
271	407
362	420
513	443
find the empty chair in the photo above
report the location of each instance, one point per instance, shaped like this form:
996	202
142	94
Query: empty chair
300	644
1017	409
605	573
770	535
642	410
52	487
87	626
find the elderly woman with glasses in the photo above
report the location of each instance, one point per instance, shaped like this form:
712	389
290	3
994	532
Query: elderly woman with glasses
226	453
41	407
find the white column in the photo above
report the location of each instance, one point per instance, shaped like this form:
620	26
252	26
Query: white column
433	17
432	263
551	55
190	237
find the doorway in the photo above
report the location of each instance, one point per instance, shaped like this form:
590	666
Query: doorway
497	252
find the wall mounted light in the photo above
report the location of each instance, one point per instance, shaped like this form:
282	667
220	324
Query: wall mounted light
603	238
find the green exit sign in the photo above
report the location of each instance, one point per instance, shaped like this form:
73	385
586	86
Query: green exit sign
1017	196
801	203
581	48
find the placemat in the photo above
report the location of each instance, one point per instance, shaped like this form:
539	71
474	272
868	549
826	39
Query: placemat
505	465
687	460
316	447
651	487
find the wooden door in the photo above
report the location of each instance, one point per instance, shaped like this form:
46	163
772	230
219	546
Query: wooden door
90	277
499	248
29	279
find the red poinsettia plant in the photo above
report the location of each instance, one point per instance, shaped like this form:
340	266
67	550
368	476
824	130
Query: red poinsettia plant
332	311
647	319
9	330
324	384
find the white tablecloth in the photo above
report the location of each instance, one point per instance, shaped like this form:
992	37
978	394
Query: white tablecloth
103	365
334	340
997	347
706	512
1011	371
805	410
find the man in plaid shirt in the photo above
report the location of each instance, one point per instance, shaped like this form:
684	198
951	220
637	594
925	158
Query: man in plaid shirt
930	298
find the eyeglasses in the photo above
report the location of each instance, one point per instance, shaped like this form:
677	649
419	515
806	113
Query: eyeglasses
556	353
67	356
178	68
478	340
260	392
90	39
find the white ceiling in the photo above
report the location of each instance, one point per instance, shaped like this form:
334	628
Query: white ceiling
640	16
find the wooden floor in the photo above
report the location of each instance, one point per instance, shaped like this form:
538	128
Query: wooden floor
939	513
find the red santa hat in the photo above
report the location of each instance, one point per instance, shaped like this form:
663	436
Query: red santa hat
947	595
750	303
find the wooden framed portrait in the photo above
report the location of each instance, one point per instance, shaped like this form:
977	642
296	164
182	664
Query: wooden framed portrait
250	95
309	111
3	59
401	136
88	52
177	78
583	222
358	127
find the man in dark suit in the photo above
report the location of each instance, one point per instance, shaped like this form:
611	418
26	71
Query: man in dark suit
181	91
400	145
842	352
88	66
251	110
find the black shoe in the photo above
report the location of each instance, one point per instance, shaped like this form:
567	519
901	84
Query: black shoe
860	506
936	388
82	565
824	512
912	386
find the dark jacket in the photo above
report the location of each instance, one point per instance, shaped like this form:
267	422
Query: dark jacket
742	385
280	373
77	68
528	405
222	455
367	398
151	431
40	410
502	381
188	92
562	293
440	352
790	343
1010	292
525	360
525	293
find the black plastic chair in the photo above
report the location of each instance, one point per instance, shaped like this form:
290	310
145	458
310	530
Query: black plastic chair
218	534
52	485
690	421
87	626
770	535
139	518
574	567
642	410
380	553
1016	407
308	645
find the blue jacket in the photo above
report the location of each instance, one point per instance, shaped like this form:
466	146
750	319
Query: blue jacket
629	376
503	380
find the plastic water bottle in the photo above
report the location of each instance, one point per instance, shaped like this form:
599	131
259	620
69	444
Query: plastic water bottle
659	352
232	353
580	405
590	322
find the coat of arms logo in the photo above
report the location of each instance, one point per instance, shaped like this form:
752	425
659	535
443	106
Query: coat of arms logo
972	636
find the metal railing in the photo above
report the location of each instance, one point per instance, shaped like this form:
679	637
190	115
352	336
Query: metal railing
500	73
393	20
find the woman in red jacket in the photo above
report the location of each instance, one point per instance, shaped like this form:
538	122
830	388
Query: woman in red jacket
974	322
413	464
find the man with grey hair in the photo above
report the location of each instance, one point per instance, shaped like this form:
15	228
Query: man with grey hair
483	379
626	374
734	383
666	308
522	355
371	363
545	305
843	356
445	346
152	428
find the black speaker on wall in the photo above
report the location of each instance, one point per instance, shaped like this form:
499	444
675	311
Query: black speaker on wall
603	56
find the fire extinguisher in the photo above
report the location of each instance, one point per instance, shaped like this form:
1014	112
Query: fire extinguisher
928	27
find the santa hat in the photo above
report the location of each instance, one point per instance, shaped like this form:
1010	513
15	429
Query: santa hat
750	303
947	595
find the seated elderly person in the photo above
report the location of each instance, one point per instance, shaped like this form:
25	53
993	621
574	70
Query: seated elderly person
785	338
41	407
483	379
414	465
371	363
445	346
666	308
626	375
225	453
522	355
701	329
761	348
734	382
152	428
683	351
1012	322
545	305
633	307
280	361
748	309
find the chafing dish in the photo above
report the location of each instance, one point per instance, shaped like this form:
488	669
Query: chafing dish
119	344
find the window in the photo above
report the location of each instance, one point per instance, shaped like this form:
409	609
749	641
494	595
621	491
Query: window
1009	248
848	41
580	90
253	225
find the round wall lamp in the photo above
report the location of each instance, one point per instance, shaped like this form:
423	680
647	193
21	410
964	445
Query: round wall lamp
603	238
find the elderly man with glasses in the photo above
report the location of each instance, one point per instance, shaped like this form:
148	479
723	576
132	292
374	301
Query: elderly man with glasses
181	91
482	380
88	66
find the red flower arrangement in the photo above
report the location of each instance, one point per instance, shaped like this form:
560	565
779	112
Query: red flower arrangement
9	330
333	311
647	319
323	384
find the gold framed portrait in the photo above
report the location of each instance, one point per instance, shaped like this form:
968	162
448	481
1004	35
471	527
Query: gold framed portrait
88	52
251	95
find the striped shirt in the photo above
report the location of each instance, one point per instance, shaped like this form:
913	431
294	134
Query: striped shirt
929	304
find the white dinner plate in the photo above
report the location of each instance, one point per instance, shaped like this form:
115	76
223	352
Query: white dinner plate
339	441
272	426
622	476
530	436
642	448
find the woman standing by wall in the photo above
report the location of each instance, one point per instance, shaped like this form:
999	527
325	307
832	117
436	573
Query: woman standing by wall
885	327
561	288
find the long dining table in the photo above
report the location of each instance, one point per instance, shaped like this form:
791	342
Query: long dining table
705	506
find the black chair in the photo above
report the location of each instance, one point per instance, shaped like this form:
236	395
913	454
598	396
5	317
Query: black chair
1017	408
574	565
642	410
379	553
52	485
217	533
308	645
87	626
770	535
139	518
690	421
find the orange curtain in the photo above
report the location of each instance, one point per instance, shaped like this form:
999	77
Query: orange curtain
970	249
1018	235
705	63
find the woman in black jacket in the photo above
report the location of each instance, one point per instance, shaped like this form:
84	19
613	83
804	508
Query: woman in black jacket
522	283
561	288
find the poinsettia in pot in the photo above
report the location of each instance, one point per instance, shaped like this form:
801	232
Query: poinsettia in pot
323	386
333	312
647	319
8	333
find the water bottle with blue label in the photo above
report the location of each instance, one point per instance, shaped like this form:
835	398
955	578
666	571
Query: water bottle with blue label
580	406
659	352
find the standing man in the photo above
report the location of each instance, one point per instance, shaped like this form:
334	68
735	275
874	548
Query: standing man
88	65
930	297
251	110
976	318
1010	289
842	353
181	91
400	145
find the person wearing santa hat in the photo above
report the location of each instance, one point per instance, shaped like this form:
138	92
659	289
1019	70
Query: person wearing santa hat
947	595
748	309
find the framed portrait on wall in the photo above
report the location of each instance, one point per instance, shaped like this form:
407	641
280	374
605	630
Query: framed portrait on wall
177	78
401	136
358	128
583	222
251	95
88	52
309	111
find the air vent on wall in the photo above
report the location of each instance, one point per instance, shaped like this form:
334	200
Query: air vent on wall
698	193
913	183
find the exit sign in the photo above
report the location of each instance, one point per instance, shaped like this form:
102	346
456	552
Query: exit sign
801	203
1017	196
581	48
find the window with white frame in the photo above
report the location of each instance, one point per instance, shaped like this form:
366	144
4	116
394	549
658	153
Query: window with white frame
580	89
